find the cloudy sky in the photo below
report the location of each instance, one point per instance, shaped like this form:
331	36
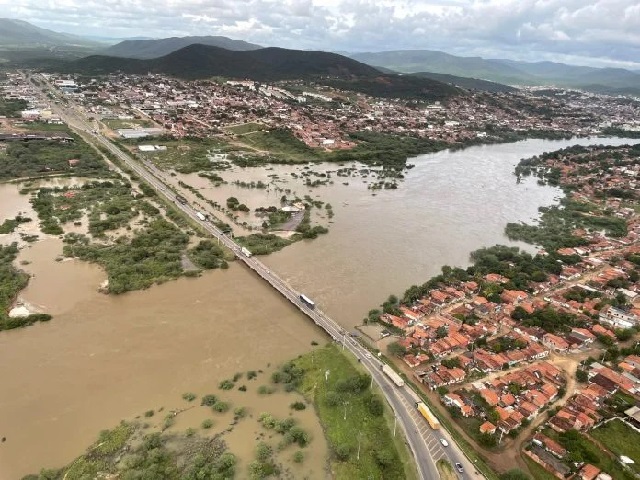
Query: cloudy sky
587	32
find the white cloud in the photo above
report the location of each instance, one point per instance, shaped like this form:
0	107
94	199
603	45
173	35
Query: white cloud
590	31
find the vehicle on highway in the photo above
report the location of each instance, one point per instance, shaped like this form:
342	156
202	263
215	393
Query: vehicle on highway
181	199
430	417
245	252
391	373
444	442
307	301
459	467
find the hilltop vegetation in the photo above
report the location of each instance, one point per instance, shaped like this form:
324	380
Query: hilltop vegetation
158	48
203	61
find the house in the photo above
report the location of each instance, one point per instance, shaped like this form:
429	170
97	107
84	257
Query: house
588	472
489	396
617	318
488	427
549	445
554	342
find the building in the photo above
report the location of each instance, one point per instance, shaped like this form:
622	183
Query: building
617	318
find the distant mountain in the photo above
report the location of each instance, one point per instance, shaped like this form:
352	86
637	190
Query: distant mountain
511	72
267	64
146	49
201	61
413	61
465	82
19	34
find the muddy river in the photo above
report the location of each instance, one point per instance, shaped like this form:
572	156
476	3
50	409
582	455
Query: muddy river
105	358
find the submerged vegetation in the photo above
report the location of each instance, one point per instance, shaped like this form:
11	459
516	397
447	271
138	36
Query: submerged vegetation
127	452
152	255
11	282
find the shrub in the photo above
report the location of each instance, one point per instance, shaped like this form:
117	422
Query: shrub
149	413
207	424
189	397
298	406
220	406
209	400
342	451
298	457
226	385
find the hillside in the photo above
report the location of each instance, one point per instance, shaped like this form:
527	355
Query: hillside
146	49
17	33
511	72
465	82
412	61
201	61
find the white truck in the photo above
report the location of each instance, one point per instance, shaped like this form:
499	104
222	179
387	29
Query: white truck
245	252
201	216
391	373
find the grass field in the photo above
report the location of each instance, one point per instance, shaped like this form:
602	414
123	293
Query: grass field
115	123
245	128
348	421
620	439
537	471
282	144
445	470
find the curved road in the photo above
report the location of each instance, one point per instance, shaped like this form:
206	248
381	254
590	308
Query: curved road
422	440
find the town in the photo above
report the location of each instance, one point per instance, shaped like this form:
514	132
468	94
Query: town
321	117
537	348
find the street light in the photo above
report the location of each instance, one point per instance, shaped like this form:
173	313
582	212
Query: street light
345	410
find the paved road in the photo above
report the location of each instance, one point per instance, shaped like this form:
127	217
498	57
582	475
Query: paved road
422	440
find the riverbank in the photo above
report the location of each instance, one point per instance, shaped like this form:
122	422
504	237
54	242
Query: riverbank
510	308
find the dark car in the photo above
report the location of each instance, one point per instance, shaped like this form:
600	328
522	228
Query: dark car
459	467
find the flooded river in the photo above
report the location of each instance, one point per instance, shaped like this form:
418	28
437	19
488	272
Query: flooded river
450	204
105	358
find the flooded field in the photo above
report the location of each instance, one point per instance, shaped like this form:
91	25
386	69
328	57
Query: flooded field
383	241
105	358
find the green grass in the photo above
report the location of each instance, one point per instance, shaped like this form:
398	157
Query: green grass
620	439
373	431
281	143
537	472
116	124
245	128
185	155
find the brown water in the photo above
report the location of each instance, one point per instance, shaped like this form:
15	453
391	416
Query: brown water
450	204
106	358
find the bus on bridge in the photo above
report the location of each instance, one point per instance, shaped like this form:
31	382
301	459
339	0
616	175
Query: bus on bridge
307	301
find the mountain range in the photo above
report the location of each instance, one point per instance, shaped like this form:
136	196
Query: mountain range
146	49
510	72
17	33
202	61
21	42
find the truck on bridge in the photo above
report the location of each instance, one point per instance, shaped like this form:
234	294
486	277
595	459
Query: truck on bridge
430	417
391	373
307	301
245	251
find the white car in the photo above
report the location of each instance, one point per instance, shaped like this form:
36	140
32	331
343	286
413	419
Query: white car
444	442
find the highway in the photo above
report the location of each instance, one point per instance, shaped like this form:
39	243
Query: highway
422	440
